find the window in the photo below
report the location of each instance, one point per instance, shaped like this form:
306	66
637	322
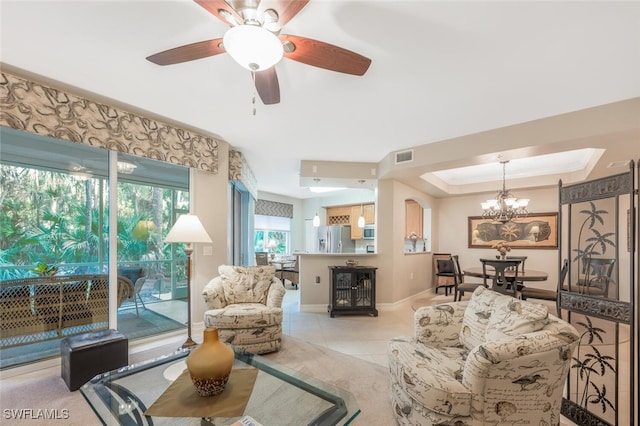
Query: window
272	234
54	209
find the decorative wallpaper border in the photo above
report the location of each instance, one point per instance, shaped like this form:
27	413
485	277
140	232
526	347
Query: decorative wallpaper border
35	108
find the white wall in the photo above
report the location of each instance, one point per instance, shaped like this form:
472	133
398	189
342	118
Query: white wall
210	203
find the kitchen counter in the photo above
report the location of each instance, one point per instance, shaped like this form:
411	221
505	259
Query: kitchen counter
338	254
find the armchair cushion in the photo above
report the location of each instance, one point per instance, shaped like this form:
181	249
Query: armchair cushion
511	318
439	325
476	317
246	284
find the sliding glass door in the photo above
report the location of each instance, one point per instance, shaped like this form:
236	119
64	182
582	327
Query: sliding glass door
54	219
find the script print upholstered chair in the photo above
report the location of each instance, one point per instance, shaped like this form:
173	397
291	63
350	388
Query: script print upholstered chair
245	305
491	360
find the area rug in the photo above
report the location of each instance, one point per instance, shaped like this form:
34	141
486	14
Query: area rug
45	390
431	300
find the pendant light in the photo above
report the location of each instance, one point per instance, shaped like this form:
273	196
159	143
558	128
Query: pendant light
361	218
505	207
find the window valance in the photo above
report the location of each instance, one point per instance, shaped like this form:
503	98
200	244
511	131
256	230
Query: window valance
36	108
274	208
240	171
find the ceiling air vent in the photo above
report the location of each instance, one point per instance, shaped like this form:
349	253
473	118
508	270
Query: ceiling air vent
618	164
404	156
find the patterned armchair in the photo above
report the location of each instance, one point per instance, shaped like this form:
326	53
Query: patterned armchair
244	304
491	360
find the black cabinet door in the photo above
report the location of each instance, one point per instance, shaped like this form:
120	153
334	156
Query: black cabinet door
353	290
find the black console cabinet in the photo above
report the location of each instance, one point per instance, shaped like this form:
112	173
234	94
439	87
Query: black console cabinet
353	290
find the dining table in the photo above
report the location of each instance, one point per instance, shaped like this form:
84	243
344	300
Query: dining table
282	262
528	275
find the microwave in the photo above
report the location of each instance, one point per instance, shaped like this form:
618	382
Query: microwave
369	232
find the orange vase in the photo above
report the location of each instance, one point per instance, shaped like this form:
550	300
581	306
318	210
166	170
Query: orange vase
210	364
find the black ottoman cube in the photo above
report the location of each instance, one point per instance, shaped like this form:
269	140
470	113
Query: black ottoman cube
87	355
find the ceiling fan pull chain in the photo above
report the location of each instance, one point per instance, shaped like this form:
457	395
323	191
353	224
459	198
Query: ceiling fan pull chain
253	100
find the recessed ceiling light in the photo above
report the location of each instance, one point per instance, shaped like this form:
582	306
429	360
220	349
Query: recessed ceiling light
322	189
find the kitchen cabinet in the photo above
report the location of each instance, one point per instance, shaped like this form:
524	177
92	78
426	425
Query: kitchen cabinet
353	291
340	215
414	219
348	215
369	214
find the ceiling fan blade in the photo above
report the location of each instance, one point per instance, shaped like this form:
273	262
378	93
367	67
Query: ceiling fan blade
324	55
267	86
286	9
189	52
221	10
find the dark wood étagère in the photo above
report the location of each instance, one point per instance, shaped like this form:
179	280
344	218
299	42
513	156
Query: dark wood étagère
353	291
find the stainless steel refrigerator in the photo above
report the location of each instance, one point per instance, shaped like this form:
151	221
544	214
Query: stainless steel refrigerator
335	239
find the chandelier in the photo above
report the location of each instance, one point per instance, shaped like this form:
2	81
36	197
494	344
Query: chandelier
505	207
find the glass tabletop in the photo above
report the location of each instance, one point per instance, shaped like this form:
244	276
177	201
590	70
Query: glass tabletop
280	396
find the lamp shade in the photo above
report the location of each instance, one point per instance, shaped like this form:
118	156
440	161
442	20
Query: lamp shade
187	229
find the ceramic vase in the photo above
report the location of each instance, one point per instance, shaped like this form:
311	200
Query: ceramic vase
210	364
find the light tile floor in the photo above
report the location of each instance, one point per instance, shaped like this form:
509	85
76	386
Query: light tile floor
362	336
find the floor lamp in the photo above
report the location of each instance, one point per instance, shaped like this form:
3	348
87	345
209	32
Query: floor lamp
188	229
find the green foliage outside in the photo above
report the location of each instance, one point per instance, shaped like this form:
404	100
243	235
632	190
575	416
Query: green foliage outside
58	219
261	239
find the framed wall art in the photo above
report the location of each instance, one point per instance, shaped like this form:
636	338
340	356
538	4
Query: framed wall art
536	231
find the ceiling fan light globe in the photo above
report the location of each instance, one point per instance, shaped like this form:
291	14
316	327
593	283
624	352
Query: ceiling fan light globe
253	47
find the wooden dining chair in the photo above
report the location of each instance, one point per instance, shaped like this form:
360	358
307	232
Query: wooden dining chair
461	286
544	294
291	273
520	283
595	277
504	276
443	274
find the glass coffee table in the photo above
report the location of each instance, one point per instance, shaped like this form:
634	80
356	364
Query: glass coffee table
280	395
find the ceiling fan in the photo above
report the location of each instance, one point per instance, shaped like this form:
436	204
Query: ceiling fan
255	42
